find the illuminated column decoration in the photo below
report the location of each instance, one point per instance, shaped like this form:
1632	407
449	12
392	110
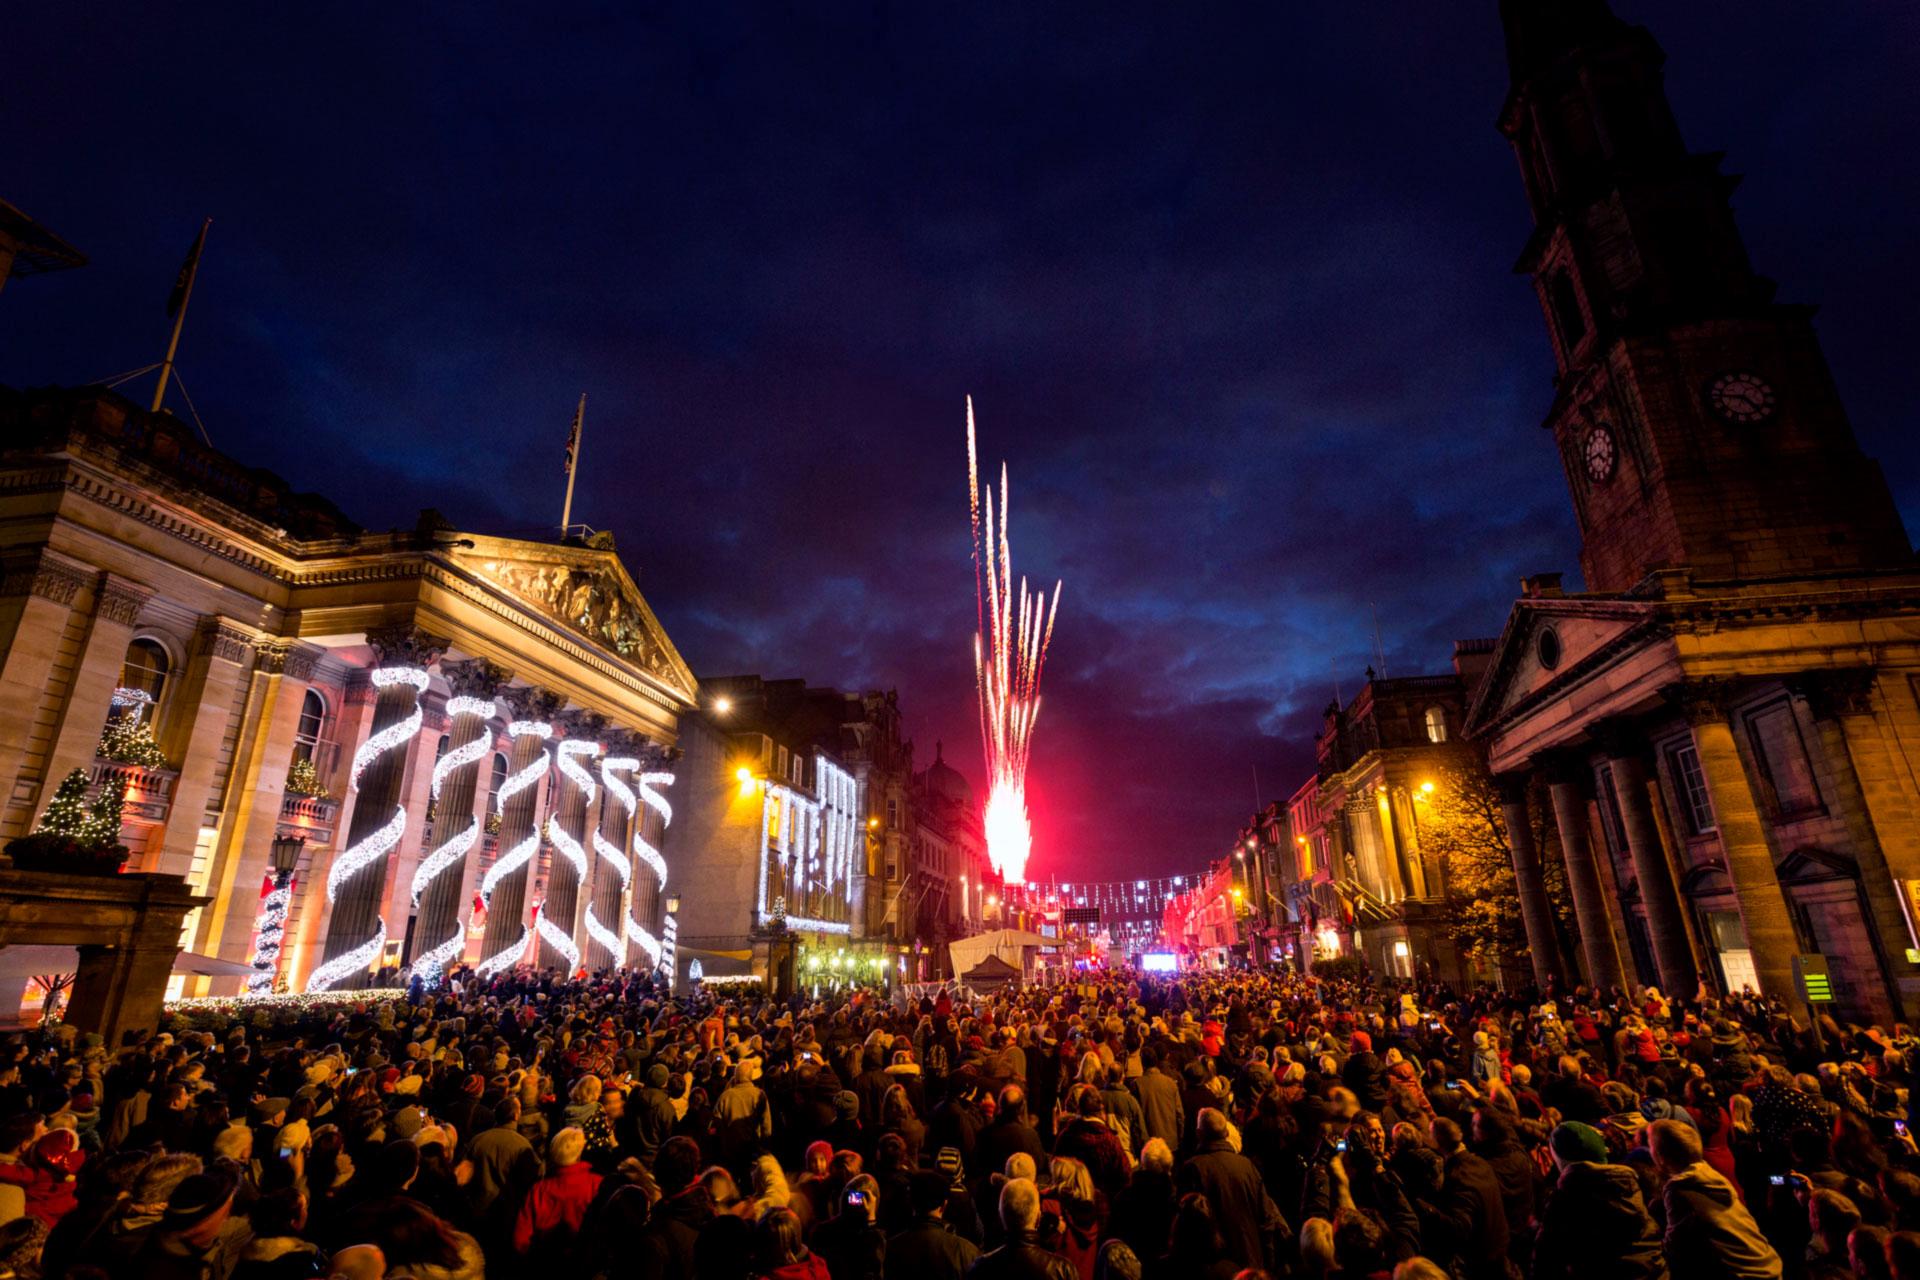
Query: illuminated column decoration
438	929
613	873
647	889
356	881
269	932
670	949
567	832
504	887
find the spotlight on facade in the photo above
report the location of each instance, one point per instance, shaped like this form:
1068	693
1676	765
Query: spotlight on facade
744	774
722	705
1426	788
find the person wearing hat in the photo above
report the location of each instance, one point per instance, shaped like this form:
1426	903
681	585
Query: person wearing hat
198	1237
1596	1226
650	1115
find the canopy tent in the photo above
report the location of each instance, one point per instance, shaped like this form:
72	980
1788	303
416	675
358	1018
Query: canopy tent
990	975
21	962
1011	945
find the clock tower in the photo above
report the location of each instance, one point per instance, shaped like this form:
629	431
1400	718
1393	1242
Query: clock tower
1696	418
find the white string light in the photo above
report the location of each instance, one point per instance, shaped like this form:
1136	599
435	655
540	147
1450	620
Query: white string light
670	948
376	845
349	963
399	732
521	854
551	934
604	936
432	963
654	800
637	935
457	845
503	961
804	925
506	864
269	933
567	847
571	769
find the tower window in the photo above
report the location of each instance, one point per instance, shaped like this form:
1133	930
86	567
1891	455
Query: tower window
1436	724
143	680
1567	315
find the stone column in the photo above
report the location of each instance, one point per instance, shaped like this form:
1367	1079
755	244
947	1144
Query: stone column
203	704
96	673
649	840
256	786
1536	913
504	889
602	936
439	928
417	797
1744	845
1590	905
1406	838
569	831
36	603
1843	717
356	882
1666	927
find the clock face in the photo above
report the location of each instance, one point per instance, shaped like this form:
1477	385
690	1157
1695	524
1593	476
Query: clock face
1741	397
1599	454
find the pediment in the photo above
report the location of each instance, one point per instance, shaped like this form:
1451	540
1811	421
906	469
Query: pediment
587	591
1584	634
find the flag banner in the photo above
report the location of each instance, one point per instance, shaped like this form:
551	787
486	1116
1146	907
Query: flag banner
178	297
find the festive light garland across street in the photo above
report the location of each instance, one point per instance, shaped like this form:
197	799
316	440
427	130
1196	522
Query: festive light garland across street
379	843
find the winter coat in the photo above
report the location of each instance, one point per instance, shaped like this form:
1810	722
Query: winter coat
558	1203
1160	1104
1367	1077
1242	1209
665	1248
811	1267
1596	1227
1472	1218
1710	1234
929	1250
280	1258
1020	1258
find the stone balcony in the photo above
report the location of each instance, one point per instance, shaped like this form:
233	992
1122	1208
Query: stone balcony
314	817
149	792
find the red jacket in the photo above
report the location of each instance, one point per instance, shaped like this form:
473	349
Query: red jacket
811	1267
557	1201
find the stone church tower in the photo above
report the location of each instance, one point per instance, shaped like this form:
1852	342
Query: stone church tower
1696	418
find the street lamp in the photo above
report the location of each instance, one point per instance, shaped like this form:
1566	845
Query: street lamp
673	904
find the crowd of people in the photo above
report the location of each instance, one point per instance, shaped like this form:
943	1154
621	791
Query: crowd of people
1209	1127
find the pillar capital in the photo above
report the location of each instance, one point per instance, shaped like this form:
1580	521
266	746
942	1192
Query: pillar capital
1511	787
289	658
531	702
225	639
120	600
405	645
475	677
626	742
1704	701
45	576
1832	694
1568	769
576	722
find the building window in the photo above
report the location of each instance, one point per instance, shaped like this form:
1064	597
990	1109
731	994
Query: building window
1566	311
893	812
496	781
144	675
1782	755
1612	824
1546	648
1436	724
1695	805
313	723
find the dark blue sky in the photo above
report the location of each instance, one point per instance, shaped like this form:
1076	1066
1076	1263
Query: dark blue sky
1230	285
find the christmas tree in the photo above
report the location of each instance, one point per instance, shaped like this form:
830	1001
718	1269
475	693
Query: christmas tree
102	827
304	780
67	815
128	740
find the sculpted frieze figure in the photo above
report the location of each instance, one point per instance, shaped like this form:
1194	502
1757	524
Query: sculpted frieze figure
592	603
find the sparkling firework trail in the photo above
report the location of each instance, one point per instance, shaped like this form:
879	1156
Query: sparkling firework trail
1009	653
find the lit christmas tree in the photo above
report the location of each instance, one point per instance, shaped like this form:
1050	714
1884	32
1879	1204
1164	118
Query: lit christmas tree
128	740
102	827
304	780
67	815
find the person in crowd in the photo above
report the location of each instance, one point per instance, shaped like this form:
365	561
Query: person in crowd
1710	1235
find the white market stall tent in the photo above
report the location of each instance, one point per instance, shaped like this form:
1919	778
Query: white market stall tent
1014	946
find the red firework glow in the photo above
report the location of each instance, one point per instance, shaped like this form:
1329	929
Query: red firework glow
1009	651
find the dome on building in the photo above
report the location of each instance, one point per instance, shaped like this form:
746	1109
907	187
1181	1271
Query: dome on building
946	781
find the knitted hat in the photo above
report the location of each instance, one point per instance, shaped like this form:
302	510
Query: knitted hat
1361	1043
657	1076
1574	1141
847	1103
408	1121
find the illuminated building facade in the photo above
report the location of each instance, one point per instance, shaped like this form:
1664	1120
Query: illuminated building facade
950	882
1727	715
422	719
793	824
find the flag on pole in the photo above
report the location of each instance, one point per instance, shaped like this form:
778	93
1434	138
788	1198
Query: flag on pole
184	281
573	436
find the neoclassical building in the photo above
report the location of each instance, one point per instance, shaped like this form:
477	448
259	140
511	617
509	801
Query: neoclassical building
405	748
1727	713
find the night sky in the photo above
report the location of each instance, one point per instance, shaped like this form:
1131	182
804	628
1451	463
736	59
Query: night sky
1230	285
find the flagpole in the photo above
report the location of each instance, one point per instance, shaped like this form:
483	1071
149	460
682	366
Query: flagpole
179	321
573	463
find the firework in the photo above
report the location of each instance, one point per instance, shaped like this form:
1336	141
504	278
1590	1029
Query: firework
1009	652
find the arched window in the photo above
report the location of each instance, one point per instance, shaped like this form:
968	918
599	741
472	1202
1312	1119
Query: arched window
143	680
1436	724
498	780
312	726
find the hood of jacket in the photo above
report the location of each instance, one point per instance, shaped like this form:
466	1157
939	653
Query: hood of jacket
1609	1195
1704	1182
